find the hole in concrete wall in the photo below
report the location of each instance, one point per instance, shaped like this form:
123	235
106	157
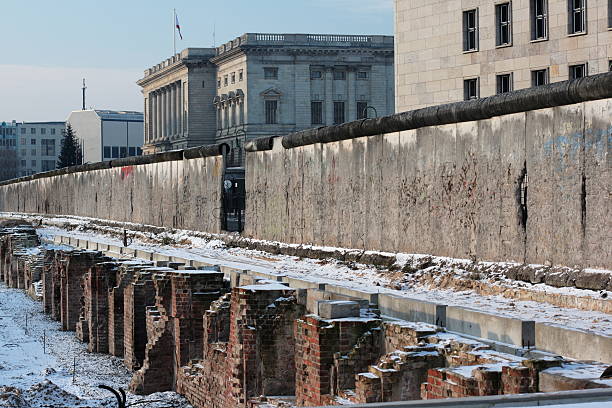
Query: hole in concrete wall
522	196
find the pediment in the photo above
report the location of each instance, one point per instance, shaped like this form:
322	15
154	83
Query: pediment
272	93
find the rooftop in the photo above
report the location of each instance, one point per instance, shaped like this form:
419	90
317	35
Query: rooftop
105	114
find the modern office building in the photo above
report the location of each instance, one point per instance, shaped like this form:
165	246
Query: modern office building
452	50
107	134
265	85
38	146
9	163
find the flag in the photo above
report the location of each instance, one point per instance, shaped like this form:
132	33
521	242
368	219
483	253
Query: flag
178	26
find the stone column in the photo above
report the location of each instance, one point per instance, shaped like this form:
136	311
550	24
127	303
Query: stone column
172	110
151	118
329	96
352	99
165	113
179	96
158	117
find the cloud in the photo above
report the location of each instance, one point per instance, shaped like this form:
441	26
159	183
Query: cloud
33	93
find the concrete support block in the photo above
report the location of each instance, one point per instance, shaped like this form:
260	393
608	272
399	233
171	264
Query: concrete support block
371	297
337	309
296	283
573	343
492	327
412	310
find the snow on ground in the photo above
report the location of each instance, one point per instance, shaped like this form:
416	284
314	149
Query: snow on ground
43	374
355	276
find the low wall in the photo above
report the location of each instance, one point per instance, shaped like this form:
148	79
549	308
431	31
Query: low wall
179	189
486	179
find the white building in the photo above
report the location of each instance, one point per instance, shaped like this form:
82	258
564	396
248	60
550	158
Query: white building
38	146
106	134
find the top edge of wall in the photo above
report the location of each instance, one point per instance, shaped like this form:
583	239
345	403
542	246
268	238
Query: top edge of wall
546	96
174	155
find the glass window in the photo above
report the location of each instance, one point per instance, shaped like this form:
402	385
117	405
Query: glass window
32	131
47	147
52	131
470	89
577	16
43	131
218	83
539	77
270	73
115	152
23	163
339	75
32	141
504	83
139	151
33	163
362	110
316	74
33	152
338	113
23	131
23	140
316	113
577	71
362	75
233	76
225	80
47	165
271	112
470	30
503	24
539	19
240	75
107	152
132	151
123	151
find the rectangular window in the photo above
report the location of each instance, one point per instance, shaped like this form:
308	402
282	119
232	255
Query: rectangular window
138	151
577	16
123	151
539	19
271	108
610	63
23	131
43	131
225	80
32	141
470	30
47	165
52	131
24	152
33	163
503	19
47	147
470	89
132	151
504	83
23	140
362	110
23	163
115	152
33	152
316	113
32	131
339	75
240	75
270	73
539	77
218	83
577	71
233	76
316	74
107	152
338	113
362	75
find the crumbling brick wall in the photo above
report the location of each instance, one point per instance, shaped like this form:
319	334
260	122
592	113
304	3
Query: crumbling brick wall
97	281
137	296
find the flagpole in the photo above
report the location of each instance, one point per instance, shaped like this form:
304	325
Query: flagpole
174	30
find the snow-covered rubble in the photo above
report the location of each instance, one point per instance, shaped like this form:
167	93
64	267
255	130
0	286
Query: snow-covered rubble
37	361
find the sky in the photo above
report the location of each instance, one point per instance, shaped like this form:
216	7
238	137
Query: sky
47	47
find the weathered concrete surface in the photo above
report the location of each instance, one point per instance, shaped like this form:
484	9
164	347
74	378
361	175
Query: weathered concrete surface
573	343
176	194
528	187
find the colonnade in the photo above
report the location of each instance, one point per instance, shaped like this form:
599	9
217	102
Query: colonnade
166	113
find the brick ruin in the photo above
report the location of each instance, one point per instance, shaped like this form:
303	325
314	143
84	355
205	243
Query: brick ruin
226	342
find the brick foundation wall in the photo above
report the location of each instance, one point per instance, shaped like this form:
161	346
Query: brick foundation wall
137	296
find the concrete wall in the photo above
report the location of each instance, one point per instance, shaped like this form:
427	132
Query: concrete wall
176	194
450	190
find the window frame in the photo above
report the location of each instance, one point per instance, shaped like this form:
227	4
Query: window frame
534	74
313	77
362	113
571	20
271	115
584	66
339	75
499	24
337	111
499	83
366	75
317	119
271	73
467	47
466	82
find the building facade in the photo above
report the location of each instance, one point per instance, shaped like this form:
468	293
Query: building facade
9	163
177	99
453	50
274	84
38	146
106	134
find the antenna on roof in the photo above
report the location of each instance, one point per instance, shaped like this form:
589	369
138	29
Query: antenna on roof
84	88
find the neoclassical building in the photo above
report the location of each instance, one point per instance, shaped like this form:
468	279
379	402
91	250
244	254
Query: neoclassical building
271	84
